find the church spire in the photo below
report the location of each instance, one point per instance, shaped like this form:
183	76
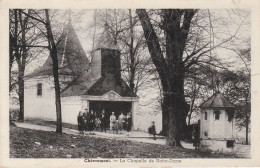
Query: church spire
106	40
69	16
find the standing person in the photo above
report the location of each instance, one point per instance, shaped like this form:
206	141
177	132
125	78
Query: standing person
80	122
112	121
91	121
96	117
116	127
152	130
196	135
121	120
85	120
103	121
97	124
128	123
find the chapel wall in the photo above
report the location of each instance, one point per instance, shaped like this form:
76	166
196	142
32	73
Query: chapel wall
219	126
228	127
70	107
43	106
205	124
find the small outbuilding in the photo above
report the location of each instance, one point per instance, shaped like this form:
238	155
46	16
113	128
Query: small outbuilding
217	124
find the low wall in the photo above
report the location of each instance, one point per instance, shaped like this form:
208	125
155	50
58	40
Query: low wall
216	145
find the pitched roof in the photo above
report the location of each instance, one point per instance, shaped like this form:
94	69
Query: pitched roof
71	56
105	84
79	86
218	100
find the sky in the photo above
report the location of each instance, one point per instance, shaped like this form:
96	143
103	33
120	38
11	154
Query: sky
83	21
225	23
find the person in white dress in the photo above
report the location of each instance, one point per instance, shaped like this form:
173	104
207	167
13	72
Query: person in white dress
112	121
121	120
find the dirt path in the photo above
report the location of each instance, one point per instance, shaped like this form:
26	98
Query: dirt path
137	136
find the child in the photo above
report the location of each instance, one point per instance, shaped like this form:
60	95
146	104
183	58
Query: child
152	130
116	127
97	123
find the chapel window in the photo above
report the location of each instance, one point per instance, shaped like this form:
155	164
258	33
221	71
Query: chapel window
39	89
230	116
217	115
230	113
206	116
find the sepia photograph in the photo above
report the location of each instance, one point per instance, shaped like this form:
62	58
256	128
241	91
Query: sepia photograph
130	83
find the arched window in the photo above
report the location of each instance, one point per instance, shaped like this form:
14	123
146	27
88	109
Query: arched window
206	116
217	115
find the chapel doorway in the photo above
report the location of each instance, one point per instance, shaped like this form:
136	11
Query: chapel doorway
110	106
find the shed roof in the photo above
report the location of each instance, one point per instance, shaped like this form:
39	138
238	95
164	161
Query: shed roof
218	100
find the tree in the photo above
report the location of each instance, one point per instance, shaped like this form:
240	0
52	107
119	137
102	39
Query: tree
53	52
22	38
123	27
171	70
52	35
184	45
237	87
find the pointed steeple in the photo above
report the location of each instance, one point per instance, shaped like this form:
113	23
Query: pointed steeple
71	56
69	16
106	41
218	100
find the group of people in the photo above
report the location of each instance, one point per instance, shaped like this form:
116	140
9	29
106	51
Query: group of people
122	123
89	121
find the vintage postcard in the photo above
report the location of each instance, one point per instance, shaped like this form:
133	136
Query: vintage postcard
129	83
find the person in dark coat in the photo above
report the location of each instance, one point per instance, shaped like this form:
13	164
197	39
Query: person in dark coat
91	121
103	121
196	135
152	130
86	120
80	122
128	123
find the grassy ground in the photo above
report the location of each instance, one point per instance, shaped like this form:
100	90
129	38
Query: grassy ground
52	145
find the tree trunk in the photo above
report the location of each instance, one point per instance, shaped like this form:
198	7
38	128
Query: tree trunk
57	91
21	91
191	108
247	125
11	59
21	61
53	53
131	53
170	69
165	119
247	119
